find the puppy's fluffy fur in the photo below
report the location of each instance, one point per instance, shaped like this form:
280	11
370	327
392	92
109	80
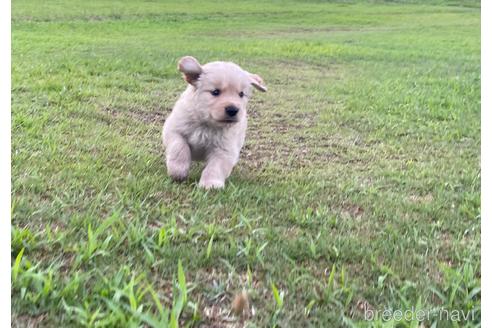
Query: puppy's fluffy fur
208	122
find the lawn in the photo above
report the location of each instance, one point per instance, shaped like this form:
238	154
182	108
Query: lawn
358	189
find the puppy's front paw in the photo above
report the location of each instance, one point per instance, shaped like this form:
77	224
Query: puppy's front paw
177	173
211	184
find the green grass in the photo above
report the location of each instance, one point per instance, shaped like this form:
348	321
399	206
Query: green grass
358	187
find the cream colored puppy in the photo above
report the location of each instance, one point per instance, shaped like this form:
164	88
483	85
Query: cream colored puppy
208	122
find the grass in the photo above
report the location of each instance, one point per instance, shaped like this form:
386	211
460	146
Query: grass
358	188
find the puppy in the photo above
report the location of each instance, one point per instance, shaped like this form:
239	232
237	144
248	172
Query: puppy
208	122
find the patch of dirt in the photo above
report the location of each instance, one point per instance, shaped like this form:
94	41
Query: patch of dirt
277	137
27	321
427	199
222	289
285	127
150	117
260	155
352	211
360	308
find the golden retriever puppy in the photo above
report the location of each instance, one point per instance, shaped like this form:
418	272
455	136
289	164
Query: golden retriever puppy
208	122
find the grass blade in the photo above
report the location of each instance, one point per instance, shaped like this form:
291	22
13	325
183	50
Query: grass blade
182	281
209	247
278	298
16	268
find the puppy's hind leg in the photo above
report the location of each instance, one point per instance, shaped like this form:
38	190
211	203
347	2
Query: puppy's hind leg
178	158
216	171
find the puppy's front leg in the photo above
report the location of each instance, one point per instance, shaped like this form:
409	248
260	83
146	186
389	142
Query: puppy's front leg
178	158
218	168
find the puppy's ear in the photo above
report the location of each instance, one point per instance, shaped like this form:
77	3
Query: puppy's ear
191	69
257	82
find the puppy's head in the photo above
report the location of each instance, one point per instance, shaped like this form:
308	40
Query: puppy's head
221	89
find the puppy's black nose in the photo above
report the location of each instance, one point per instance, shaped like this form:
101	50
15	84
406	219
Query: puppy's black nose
231	110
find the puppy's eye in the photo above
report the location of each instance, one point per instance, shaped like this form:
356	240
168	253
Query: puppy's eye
215	92
241	94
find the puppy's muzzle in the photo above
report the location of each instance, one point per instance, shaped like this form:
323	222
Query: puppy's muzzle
231	111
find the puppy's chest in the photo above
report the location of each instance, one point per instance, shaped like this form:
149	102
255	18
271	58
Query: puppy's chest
203	139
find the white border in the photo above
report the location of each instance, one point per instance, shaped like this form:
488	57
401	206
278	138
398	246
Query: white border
486	163
5	162
5	187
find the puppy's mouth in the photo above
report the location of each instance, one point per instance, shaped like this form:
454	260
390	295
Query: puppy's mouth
228	121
